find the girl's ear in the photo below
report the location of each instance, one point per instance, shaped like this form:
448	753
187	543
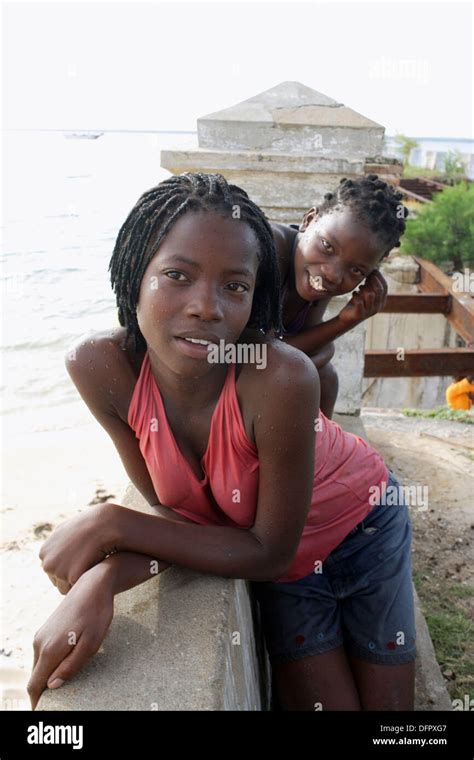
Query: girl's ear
308	218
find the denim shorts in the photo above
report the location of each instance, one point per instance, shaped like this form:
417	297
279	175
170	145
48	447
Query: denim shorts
362	599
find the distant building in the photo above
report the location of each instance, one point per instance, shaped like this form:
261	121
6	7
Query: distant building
432	151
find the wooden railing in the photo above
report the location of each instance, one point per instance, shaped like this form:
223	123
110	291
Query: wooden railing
435	296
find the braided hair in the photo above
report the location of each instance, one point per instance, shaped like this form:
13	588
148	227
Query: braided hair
374	202
151	219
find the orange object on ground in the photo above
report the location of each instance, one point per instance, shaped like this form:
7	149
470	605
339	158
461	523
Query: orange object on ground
457	394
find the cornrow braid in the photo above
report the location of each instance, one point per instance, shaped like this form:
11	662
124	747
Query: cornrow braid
151	219
375	202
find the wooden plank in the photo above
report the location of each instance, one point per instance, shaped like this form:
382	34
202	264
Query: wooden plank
412	196
417	303
432	362
461	314
432	278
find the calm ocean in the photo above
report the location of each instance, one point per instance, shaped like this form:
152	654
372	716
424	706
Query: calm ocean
64	202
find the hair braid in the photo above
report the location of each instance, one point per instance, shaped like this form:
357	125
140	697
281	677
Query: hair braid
375	202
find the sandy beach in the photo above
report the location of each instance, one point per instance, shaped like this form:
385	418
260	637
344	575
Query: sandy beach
73	468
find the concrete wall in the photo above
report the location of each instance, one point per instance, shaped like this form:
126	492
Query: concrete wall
348	361
284	186
180	641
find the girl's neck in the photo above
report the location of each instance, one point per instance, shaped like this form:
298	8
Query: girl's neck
292	297
191	391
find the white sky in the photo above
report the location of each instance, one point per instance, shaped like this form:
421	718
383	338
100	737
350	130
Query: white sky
156	65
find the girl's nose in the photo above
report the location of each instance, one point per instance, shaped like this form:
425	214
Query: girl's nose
204	303
333	274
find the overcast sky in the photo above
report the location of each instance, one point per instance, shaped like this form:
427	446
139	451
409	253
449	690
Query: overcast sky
156	65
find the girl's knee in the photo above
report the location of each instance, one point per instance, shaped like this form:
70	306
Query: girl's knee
328	375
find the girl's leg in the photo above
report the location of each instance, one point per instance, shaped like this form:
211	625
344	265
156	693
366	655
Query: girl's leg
378	616
320	682
384	687
329	388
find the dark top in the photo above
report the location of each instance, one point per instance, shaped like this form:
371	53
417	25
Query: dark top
297	323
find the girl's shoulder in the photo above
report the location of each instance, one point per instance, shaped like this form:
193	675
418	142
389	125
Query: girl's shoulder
105	367
285	382
279	366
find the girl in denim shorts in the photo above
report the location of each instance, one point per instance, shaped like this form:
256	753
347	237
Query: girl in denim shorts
348	620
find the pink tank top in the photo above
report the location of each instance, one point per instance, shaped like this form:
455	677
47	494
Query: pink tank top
345	468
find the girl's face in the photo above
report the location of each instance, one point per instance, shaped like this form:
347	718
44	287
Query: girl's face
335	252
199	285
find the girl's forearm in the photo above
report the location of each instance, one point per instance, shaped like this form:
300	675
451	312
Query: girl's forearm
219	550
124	570
311	339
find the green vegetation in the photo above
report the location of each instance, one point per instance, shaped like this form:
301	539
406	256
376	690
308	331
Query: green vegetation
410	172
453	168
451	629
443	230
441	413
405	146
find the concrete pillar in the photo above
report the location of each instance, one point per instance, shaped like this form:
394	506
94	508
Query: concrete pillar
286	146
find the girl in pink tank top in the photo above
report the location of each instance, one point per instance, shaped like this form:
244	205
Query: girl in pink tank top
347	588
230	439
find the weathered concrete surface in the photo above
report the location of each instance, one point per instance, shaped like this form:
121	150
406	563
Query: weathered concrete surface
291	118
286	147
170	647
180	641
348	360
284	186
178	161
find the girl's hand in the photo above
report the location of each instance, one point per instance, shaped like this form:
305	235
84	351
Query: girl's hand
78	544
72	634
366	301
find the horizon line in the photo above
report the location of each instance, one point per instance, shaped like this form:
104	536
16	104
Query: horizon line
194	132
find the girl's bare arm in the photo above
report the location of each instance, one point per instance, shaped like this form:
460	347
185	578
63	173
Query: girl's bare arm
366	301
87	370
264	552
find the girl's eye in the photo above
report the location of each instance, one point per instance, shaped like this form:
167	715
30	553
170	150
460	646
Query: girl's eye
238	285
326	245
358	272
177	276
174	272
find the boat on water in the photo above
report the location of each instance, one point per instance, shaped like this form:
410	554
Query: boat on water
82	135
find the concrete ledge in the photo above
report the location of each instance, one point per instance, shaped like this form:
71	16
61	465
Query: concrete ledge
431	691
179	641
170	647
203	160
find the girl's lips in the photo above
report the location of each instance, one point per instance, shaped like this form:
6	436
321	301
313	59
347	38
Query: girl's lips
195	350
313	292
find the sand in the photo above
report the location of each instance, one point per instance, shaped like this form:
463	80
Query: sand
48	477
